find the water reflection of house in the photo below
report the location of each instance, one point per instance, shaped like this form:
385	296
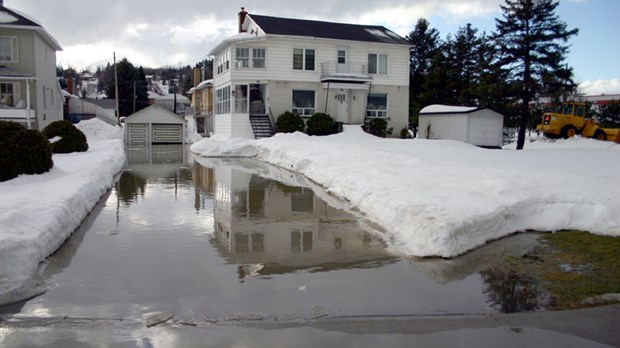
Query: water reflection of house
274	228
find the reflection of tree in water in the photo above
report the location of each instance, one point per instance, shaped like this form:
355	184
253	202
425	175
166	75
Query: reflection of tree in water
130	186
511	288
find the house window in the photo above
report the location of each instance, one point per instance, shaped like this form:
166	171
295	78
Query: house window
377	64
377	106
302	200
243	57
258	57
303	59
222	100
223	62
8	49
301	241
9	94
342	57
303	103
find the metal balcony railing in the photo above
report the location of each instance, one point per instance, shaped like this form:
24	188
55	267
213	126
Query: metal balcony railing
350	71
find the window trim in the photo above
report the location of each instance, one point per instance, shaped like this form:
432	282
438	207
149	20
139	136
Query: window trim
306	111
15	92
378	65
378	113
13	49
304	59
222	100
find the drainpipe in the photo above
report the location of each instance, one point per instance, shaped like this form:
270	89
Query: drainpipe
366	108
28	102
326	97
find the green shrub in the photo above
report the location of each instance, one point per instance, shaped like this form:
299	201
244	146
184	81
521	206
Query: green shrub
289	122
72	139
22	151
377	127
404	133
10	164
320	124
36	152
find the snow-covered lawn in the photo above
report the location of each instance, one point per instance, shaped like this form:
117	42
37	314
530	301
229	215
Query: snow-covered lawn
443	198
38	212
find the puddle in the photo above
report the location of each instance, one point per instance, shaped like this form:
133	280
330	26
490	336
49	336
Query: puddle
216	238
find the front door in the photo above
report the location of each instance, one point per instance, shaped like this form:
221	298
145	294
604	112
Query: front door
342	105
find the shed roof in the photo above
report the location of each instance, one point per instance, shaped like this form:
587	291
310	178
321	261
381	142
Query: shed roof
155	112
448	109
327	30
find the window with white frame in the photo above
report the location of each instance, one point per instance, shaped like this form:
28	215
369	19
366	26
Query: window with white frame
303	103
377	106
377	64
303	59
242	57
9	94
223	61
8	49
258	57
222	100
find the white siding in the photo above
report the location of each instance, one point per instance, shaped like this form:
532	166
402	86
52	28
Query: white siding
442	126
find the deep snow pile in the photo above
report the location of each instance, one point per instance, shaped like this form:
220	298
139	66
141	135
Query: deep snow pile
443	198
38	212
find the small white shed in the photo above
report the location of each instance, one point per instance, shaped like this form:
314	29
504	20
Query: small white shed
472	125
154	125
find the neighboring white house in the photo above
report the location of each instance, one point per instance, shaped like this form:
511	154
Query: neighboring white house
472	125
154	125
29	91
273	65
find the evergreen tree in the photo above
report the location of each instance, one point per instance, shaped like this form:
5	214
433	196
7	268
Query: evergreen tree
529	39
425	45
127	76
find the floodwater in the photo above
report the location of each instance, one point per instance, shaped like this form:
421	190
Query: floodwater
240	240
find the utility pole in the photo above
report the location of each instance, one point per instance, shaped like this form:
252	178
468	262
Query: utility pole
134	97
174	87
118	111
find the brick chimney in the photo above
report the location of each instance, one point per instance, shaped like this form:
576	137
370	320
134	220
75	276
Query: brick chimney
69	83
242	15
197	76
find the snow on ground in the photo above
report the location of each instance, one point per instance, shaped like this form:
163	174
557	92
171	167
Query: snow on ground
38	212
443	198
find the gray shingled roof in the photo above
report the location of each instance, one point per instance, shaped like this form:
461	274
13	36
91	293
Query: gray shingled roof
11	17
327	30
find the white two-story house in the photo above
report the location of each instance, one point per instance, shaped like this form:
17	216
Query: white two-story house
29	90
274	65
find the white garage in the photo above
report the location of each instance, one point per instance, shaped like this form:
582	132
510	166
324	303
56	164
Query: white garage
473	125
154	125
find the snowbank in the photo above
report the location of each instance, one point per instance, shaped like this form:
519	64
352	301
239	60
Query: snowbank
443	198
39	212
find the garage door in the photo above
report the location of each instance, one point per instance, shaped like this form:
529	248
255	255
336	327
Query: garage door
167	133
138	133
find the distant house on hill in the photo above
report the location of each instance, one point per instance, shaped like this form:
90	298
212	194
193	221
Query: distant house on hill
473	125
273	65
29	91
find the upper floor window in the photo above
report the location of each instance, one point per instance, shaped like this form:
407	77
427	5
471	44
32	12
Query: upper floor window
223	61
8	49
303	59
377	63
250	57
377	106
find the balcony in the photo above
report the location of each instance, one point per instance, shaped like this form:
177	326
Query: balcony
18	115
344	73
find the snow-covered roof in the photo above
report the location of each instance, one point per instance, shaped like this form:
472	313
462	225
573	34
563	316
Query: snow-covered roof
448	109
239	37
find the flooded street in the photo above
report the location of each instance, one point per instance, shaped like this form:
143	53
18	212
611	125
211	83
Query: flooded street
224	240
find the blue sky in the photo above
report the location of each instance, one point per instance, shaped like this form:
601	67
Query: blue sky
595	51
156	33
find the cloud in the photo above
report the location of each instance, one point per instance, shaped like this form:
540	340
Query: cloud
600	86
